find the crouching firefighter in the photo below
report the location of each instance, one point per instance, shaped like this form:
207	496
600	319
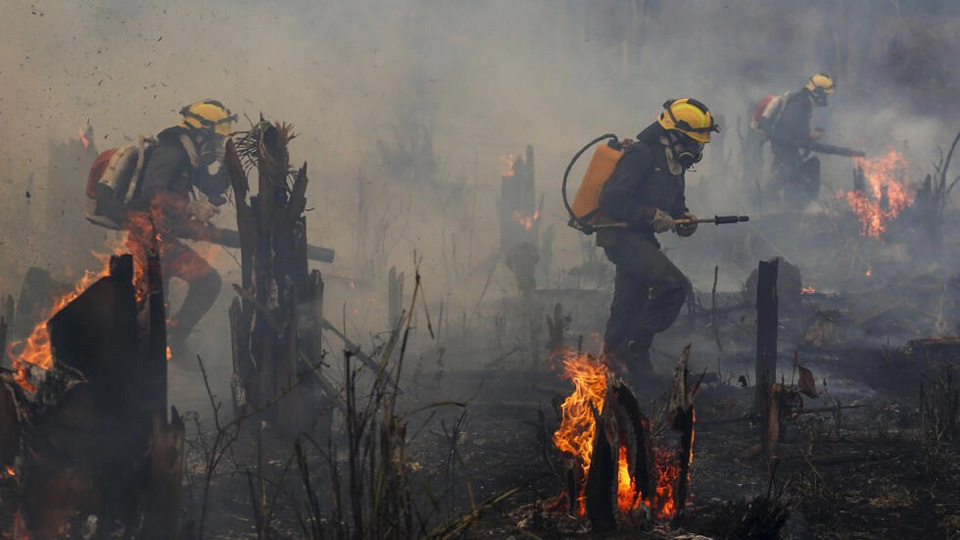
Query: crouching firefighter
632	191
159	180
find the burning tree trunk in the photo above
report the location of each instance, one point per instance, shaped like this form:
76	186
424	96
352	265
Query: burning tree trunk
96	449
520	221
276	324
612	471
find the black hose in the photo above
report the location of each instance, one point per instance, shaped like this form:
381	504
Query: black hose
563	189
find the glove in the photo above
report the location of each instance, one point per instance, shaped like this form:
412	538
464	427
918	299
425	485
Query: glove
661	221
686	229
201	210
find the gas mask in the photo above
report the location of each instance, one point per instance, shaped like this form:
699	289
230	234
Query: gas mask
209	177
819	98
686	151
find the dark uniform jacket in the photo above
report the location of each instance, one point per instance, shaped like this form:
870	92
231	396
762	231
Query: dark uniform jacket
792	126
640	184
166	180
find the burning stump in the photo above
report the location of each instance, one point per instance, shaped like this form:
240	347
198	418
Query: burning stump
615	475
96	453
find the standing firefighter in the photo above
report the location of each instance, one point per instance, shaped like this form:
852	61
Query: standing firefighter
646	191
785	121
160	190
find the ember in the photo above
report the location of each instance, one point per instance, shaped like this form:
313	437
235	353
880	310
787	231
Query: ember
508	160
526	220
83	139
885	196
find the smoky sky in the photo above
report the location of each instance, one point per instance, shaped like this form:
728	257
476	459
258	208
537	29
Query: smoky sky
419	99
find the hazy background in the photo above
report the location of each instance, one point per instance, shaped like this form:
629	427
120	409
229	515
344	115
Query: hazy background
413	102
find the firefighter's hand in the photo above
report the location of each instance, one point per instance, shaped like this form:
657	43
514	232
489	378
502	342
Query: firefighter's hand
201	210
687	229
661	221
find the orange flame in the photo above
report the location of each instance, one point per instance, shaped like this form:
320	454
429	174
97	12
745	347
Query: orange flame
9	472
84	140
578	430
808	290
886	195
578	425
35	350
526	220
508	160
627	496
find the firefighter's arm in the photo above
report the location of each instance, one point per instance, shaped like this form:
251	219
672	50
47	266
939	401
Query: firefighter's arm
184	217
618	197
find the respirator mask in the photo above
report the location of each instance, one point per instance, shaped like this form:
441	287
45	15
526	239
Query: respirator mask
686	151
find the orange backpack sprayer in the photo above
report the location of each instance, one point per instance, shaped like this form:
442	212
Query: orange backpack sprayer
586	211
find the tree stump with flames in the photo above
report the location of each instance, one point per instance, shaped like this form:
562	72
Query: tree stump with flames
615	475
86	440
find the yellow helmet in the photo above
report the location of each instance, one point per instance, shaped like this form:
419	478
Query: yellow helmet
820	82
209	115
690	117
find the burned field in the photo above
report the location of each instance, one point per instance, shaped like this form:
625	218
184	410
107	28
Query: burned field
818	401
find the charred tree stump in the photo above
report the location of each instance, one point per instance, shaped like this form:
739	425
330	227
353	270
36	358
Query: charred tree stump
601	487
682	395
767	321
622	430
88	433
520	221
275	323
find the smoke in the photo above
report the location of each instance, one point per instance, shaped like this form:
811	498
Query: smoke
403	108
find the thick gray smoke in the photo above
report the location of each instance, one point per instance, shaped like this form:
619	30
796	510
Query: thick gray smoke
403	109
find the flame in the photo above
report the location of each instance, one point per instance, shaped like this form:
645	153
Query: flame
808	290
627	496
578	425
35	350
83	139
578	430
669	473
869	272
886	195
508	160
526	220
9	472
169	353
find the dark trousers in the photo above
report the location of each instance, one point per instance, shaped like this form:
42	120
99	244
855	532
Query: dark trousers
203	286
648	293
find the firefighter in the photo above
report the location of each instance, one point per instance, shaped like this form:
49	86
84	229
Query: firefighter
646	190
184	160
786	123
